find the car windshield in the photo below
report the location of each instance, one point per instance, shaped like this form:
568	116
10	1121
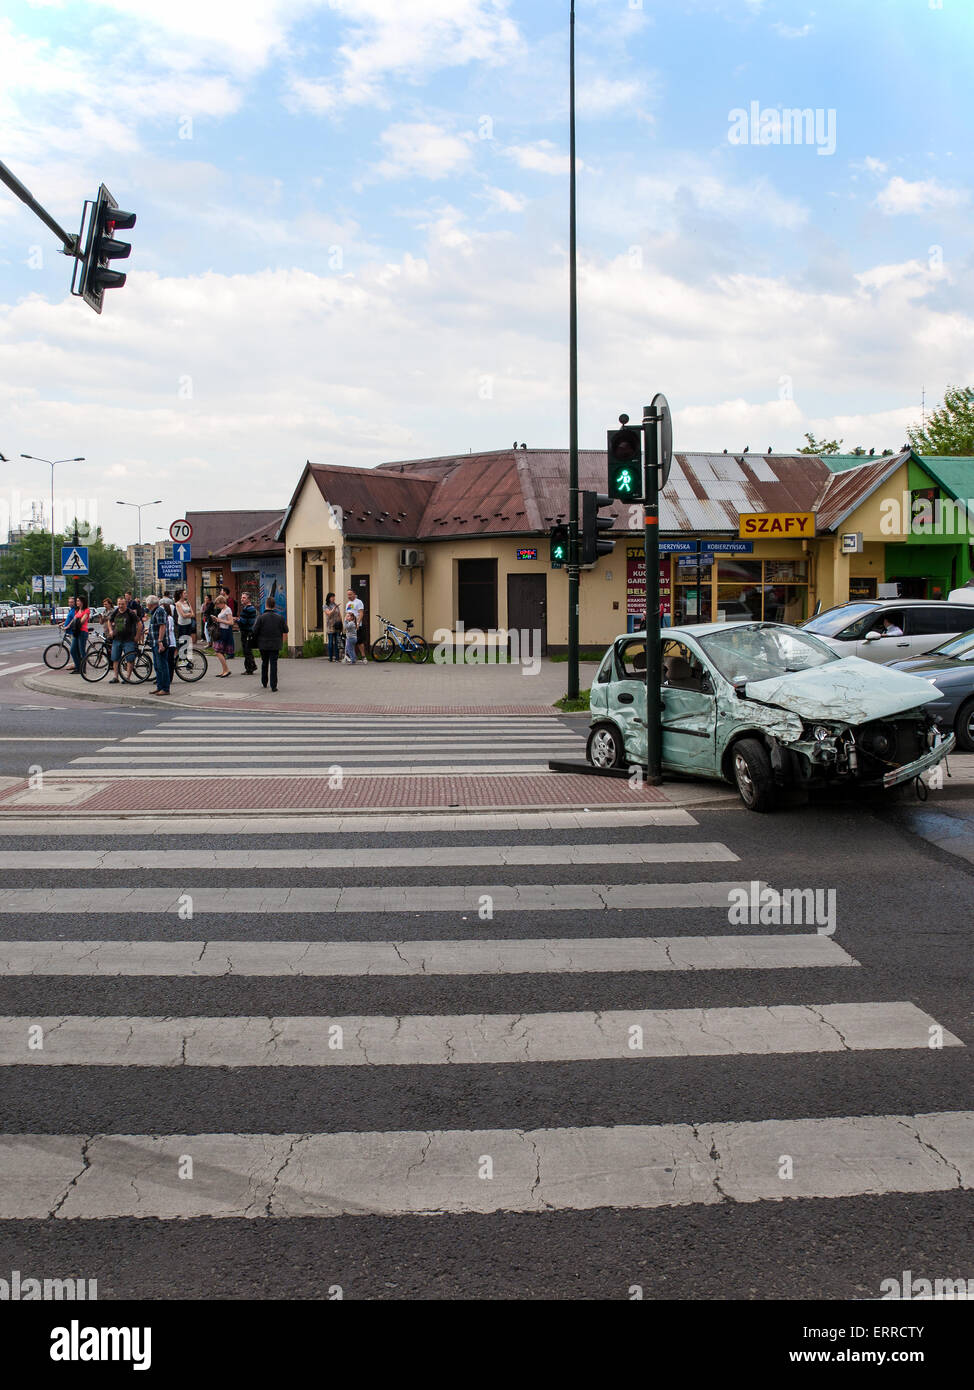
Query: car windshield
758	653
836	620
960	648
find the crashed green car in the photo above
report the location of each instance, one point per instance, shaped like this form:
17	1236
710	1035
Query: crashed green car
764	707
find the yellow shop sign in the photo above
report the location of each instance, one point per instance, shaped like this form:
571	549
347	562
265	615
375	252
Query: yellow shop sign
797	525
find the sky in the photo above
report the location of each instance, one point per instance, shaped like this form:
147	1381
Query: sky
352	233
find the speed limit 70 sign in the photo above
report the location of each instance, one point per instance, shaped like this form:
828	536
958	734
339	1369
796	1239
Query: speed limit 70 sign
181	531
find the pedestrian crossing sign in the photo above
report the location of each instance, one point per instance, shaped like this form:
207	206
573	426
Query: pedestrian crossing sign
74	559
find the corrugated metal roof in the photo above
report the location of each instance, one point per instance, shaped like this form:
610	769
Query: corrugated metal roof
955	474
214	530
259	542
846	491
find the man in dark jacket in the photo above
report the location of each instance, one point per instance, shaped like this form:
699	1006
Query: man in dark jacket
246	621
268	637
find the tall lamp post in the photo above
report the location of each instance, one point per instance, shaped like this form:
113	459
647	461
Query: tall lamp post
138	507
52	462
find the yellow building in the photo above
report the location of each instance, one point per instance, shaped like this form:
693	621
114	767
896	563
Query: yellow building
460	544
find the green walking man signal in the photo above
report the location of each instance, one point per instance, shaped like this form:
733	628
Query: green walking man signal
559	547
624	448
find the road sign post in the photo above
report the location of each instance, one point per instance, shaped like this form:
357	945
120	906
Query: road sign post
74	559
181	530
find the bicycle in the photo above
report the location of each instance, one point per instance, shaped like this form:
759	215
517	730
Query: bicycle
58	654
98	663
399	639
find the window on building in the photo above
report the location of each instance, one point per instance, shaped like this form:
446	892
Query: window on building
477	593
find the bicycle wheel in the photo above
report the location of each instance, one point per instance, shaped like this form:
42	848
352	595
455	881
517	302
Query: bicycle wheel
418	651
96	664
383	648
142	669
191	667
56	656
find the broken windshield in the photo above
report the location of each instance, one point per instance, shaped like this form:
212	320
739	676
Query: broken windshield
752	652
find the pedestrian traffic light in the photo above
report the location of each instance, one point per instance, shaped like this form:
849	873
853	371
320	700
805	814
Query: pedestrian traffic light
559	547
97	275
593	546
625	451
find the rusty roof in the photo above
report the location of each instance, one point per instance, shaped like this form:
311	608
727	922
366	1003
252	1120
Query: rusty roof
214	530
844	492
525	491
259	542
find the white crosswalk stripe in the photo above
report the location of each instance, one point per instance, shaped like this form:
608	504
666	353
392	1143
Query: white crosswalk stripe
314	745
403	1172
242	1173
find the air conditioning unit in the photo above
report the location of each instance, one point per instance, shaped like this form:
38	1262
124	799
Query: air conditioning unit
409	559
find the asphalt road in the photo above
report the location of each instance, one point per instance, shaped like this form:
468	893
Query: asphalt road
903	910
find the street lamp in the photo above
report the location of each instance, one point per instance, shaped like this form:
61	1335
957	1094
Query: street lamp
138	507
52	462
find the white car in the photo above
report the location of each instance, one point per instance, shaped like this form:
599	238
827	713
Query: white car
854	629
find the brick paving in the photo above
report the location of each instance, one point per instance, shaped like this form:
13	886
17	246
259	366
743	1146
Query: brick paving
423	792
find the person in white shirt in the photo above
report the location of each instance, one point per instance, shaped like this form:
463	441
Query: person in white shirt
356	606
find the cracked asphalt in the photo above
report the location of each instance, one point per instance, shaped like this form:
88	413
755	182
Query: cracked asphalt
904	912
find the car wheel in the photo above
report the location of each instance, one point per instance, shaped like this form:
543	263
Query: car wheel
964	727
605	748
752	774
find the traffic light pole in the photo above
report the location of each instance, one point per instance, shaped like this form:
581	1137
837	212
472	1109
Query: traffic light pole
654	672
573	556
68	240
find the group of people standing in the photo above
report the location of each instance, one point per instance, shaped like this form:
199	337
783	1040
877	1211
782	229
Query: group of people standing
344	628
261	632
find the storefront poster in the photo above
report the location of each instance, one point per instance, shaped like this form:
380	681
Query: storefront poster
272	584
636	583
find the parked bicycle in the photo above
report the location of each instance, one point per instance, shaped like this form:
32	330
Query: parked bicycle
399	639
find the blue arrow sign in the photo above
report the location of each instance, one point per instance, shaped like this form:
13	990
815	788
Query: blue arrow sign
74	559
182	551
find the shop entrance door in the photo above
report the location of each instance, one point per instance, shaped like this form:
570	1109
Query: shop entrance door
527	603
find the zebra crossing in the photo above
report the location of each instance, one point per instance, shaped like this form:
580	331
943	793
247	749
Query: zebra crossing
136	991
284	744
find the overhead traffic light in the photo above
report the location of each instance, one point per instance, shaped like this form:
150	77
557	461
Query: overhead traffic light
592	544
559	546
101	249
625	451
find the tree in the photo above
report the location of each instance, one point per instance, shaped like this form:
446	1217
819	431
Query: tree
949	430
820	446
108	569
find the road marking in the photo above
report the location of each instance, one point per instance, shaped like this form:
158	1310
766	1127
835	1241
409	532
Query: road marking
527	897
464	1039
305	823
46	738
541	956
248	770
396	1173
12	670
681	852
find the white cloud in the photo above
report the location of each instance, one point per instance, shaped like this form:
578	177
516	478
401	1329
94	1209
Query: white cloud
541	157
388	39
925	195
500	200
423	149
788	31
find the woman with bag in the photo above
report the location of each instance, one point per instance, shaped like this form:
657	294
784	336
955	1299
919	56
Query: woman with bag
333	626
77	624
223	643
185	621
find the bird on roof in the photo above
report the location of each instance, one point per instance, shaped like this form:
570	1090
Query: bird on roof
747	448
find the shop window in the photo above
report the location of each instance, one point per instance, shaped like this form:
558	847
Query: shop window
477	593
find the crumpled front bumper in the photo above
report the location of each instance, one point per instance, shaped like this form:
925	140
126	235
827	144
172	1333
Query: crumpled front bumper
908	771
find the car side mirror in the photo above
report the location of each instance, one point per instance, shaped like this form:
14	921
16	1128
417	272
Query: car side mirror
872	636
740	688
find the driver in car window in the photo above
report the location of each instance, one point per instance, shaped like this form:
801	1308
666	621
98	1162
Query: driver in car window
887	628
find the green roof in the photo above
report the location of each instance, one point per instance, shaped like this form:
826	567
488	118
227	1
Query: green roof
954	473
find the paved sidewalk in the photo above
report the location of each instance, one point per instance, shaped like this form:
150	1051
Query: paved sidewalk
368	688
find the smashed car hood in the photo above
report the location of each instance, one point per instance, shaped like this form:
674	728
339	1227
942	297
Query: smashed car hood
851	690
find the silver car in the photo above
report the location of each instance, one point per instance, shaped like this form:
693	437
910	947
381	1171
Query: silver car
916	626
